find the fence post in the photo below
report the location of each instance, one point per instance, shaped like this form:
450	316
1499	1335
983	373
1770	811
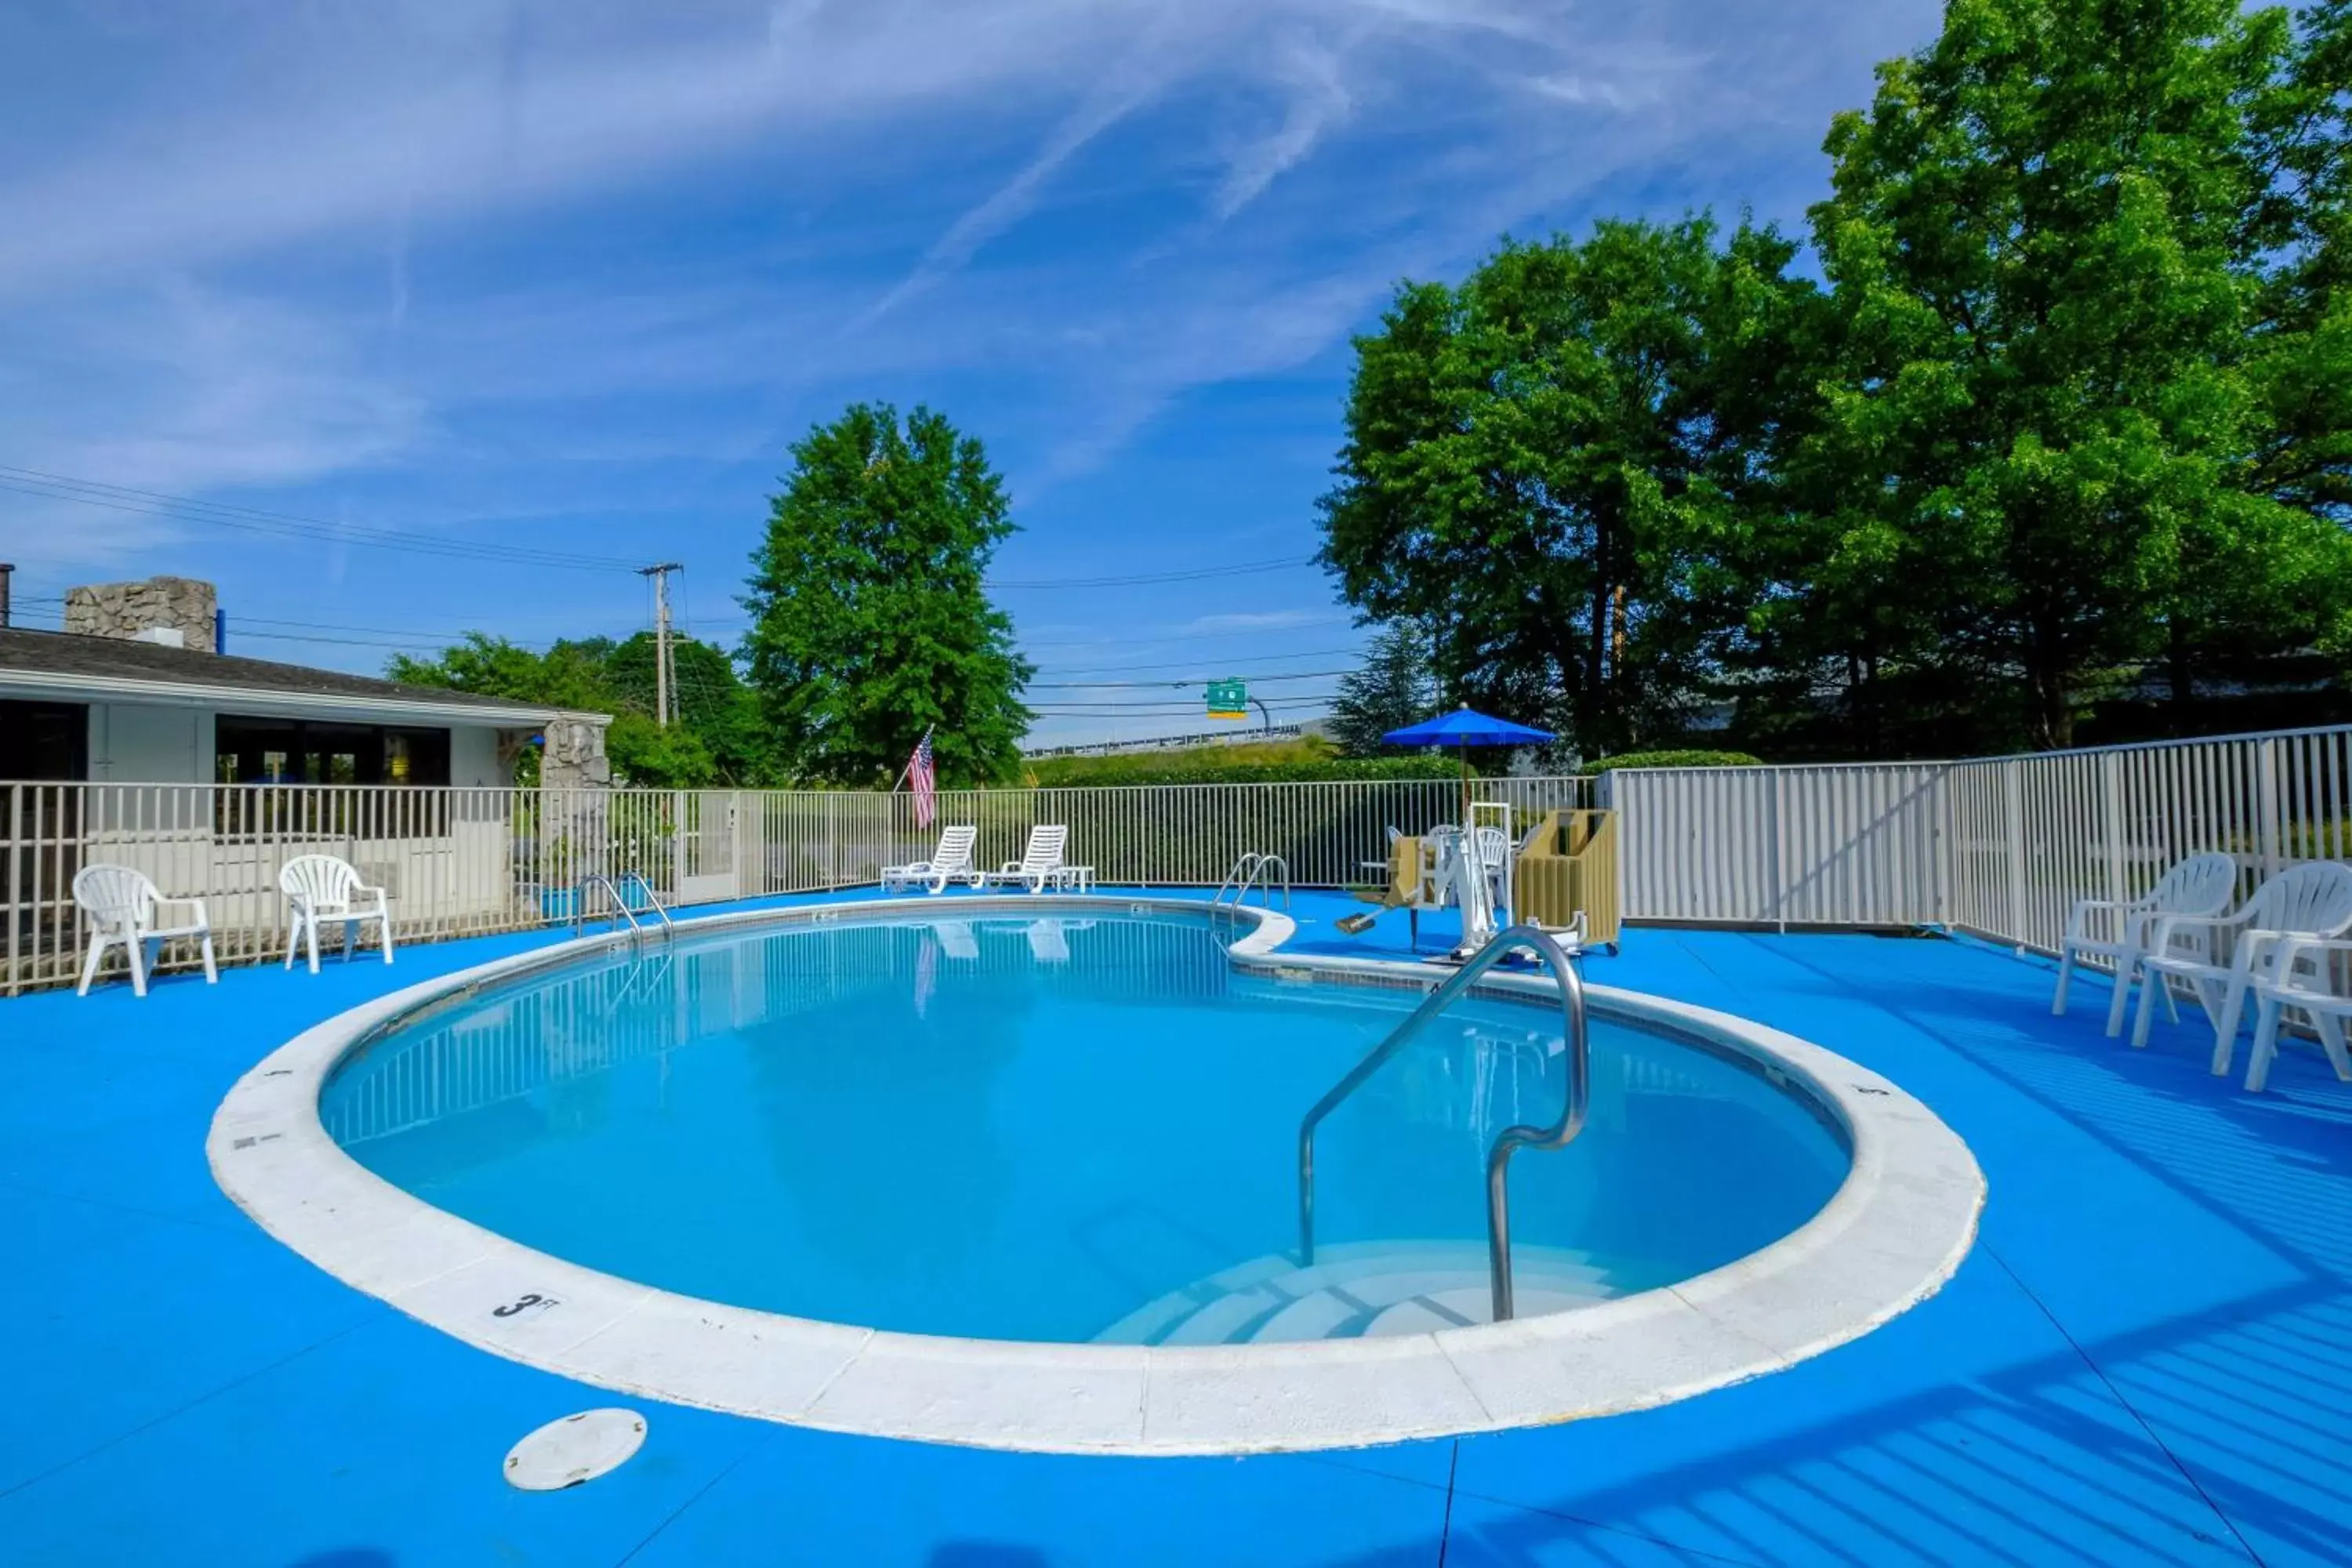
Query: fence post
2267	784
1780	855
2111	788
15	884
2013	829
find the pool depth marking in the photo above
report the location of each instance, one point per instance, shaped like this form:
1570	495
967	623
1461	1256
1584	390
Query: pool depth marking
1895	1231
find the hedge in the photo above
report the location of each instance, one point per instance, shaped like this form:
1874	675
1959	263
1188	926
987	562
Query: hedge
1672	759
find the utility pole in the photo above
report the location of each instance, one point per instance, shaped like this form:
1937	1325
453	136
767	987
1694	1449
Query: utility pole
660	575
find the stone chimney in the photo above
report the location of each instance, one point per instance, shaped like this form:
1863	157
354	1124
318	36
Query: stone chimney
177	612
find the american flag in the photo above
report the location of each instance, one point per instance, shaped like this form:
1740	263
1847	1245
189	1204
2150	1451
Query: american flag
924	783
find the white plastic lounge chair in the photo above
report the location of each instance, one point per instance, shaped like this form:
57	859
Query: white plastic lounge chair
2301	979
951	861
1040	863
2311	900
324	890
2199	885
124	908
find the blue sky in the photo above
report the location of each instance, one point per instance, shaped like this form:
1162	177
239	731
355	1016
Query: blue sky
571	275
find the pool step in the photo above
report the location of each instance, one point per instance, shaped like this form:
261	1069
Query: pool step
1359	1289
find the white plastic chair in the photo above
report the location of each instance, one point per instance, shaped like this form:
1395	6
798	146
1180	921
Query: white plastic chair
2199	885
325	890
125	909
2302	979
951	861
2313	899
1040	862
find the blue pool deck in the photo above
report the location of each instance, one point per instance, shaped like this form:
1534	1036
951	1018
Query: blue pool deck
2148	1358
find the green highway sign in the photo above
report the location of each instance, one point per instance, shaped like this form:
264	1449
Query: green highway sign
1228	700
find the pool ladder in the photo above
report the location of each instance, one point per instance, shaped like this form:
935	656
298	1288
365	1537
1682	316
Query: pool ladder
1507	1142
1257	870
621	910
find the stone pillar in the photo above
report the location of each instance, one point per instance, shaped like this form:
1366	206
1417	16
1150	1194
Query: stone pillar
178	611
575	829
573	756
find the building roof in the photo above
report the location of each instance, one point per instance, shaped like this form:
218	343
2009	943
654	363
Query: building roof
53	665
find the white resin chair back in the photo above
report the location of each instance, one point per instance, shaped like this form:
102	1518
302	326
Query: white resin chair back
2316	897
116	897
321	882
2200	884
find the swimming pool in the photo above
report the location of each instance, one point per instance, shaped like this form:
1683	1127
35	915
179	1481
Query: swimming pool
1020	1171
1060	1129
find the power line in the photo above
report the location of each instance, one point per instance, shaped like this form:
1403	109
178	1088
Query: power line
1194	575
289	525
1195	664
1166	685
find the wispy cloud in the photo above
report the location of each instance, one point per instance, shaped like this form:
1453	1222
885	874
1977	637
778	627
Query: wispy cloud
1262	620
588	265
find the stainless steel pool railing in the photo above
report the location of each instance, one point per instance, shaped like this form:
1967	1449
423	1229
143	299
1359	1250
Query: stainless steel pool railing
1254	869
1507	1142
621	910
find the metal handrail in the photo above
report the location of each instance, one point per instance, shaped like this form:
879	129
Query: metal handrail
1246	873
620	905
1511	1138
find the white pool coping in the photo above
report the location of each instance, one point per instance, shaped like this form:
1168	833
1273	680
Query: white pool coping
1895	1230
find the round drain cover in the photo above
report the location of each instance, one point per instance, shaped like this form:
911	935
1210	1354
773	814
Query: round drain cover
577	1448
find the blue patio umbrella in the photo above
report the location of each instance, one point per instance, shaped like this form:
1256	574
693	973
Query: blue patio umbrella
1462	729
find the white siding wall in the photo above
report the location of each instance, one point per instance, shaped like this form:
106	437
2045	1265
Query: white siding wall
474	759
139	743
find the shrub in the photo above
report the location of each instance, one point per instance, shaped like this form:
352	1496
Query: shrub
1231	764
1674	760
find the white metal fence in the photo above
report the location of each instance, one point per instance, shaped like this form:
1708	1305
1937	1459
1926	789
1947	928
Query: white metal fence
1999	847
459	862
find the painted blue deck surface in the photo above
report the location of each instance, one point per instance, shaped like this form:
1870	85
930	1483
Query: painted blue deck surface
2146	1359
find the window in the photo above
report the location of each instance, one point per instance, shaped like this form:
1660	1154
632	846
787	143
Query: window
295	751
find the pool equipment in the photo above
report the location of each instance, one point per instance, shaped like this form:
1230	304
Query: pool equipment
1564	877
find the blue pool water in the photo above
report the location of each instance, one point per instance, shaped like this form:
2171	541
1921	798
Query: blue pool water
1059	1130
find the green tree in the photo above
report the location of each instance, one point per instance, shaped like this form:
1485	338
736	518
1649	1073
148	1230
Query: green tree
715	741
2045	245
1552	464
709	701
1395	686
871	622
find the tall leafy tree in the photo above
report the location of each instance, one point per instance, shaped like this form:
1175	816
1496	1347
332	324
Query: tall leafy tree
2045	243
1552	463
1393	687
871	621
